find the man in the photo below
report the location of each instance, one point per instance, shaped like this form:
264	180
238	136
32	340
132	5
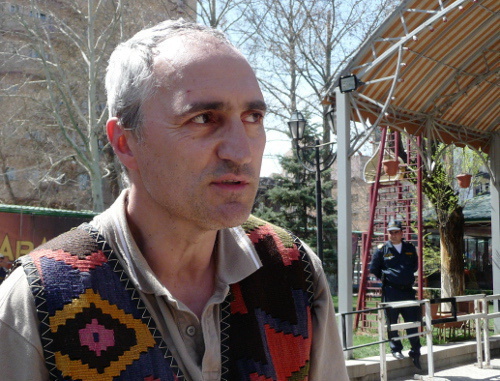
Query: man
395	263
175	281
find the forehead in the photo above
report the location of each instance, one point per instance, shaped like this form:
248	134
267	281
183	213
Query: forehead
187	45
195	59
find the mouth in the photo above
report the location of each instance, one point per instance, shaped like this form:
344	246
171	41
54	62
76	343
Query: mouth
231	183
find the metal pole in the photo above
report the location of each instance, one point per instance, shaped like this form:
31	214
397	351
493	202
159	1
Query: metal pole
420	222
319	211
344	213
381	338
479	344
428	328
487	357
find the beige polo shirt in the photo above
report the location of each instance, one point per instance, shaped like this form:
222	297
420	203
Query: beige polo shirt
195	343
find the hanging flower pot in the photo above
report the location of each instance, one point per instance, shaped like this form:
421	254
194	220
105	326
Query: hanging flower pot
391	167
464	180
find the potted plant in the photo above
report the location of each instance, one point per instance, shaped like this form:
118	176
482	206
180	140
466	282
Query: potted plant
464	180
391	167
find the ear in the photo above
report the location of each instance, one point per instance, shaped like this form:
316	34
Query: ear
119	139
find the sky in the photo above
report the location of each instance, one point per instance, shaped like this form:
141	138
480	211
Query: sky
277	144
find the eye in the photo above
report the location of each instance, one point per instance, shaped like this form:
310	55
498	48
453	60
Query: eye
253	117
203	118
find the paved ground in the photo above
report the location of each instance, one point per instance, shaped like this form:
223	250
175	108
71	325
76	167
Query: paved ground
463	373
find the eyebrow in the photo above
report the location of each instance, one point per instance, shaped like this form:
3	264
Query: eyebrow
206	106
257	105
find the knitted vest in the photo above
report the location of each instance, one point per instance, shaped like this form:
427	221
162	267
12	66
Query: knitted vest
94	325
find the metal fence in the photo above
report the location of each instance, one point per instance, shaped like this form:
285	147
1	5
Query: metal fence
480	315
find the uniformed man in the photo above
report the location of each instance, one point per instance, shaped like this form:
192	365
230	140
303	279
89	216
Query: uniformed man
395	263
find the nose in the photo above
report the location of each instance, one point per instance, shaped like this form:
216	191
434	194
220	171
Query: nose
236	144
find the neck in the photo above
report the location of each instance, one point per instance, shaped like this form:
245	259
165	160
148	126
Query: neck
181	255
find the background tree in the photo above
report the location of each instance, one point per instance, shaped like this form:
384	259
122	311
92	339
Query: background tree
55	55
299	46
296	46
226	15
443	163
450	221
73	106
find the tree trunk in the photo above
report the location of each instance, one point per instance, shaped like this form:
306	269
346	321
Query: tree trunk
7	179
451	234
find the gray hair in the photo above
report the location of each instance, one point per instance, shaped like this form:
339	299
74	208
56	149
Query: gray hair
129	77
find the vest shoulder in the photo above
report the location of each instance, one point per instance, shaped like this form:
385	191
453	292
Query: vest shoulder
77	241
259	228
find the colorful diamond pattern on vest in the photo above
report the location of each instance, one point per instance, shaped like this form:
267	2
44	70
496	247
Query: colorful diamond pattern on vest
95	338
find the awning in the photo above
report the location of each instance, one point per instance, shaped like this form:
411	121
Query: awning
432	68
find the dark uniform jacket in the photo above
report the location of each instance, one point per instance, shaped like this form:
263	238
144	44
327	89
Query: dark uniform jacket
393	267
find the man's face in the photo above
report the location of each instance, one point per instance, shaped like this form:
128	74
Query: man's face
396	236
203	136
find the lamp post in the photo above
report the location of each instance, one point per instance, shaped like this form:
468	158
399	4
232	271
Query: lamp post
297	125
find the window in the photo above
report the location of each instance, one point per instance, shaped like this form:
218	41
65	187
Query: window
38	15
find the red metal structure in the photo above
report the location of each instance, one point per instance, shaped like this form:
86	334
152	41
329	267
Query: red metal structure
397	197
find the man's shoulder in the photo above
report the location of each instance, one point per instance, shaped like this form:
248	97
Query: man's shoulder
72	241
255	223
381	247
270	239
259	228
408	245
80	242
